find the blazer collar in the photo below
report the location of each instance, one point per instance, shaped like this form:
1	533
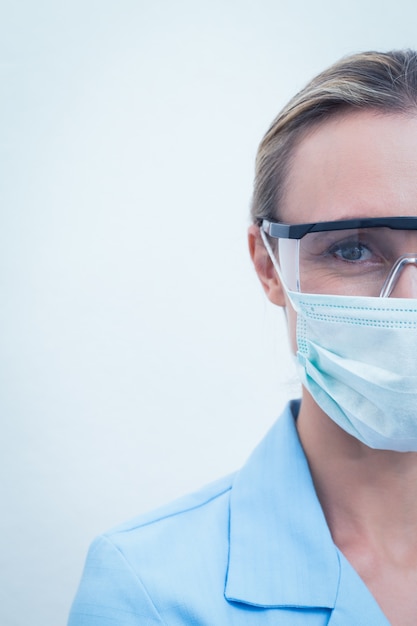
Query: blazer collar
281	550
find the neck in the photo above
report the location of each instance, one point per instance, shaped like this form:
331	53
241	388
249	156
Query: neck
369	497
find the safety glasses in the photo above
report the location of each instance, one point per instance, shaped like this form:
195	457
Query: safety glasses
363	257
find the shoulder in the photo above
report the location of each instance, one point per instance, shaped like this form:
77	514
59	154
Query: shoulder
158	560
212	557
178	532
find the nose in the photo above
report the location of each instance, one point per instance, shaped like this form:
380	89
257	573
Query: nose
403	282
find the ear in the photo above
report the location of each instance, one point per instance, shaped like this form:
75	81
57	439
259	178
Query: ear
264	267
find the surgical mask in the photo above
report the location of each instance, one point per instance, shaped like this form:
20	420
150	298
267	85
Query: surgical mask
357	356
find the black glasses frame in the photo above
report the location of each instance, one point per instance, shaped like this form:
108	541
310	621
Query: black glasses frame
278	230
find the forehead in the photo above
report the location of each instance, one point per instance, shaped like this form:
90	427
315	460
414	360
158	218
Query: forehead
360	164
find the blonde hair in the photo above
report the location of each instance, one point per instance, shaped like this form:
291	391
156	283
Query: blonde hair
382	81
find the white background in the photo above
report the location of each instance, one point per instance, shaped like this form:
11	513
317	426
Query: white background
139	358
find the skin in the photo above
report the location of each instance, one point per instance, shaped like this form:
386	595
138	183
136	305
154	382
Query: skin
357	165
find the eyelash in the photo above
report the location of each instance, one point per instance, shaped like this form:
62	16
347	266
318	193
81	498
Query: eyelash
336	249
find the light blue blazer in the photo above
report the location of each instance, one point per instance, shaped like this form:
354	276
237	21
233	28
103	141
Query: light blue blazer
252	549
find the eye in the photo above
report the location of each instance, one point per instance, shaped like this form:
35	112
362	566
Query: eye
351	251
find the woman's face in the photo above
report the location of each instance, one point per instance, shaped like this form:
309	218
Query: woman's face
354	166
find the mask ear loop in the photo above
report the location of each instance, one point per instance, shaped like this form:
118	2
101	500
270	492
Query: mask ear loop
393	276
272	257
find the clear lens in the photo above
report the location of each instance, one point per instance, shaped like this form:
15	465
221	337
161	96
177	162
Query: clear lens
346	262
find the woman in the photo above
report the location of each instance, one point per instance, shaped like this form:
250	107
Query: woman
320	526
